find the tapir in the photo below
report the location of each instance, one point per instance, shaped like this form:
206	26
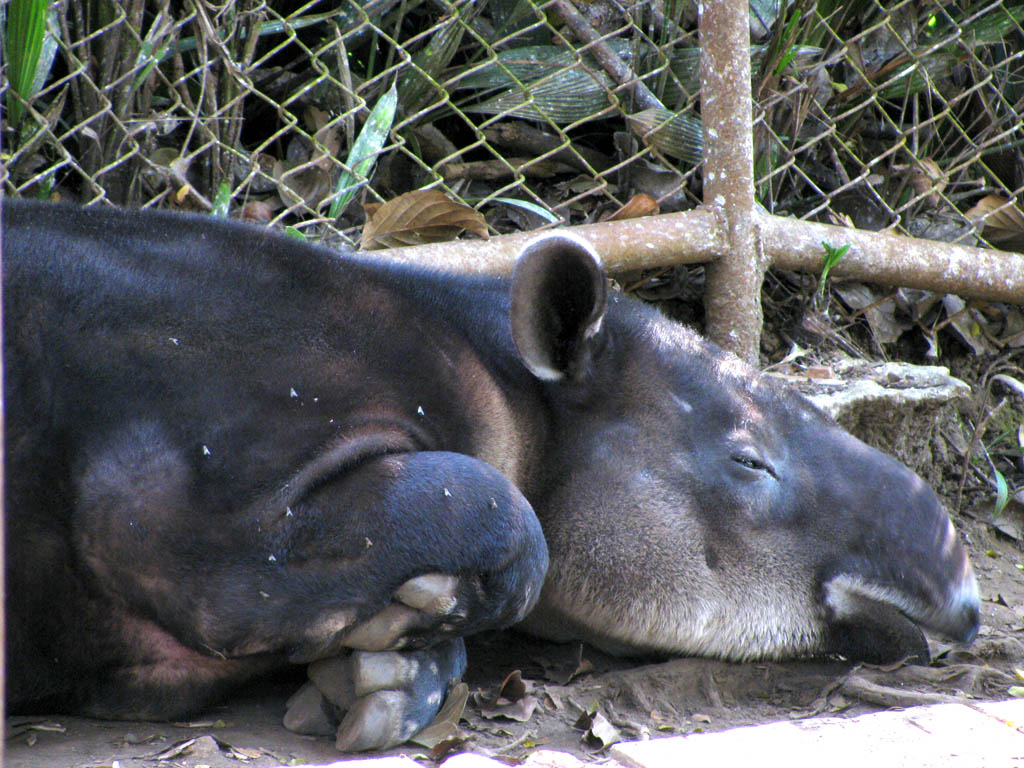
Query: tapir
228	451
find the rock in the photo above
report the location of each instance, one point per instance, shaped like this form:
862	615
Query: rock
909	411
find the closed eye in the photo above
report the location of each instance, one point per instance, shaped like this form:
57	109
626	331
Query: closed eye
753	463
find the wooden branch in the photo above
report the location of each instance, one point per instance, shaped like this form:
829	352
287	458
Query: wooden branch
608	59
891	259
674	238
732	289
699	236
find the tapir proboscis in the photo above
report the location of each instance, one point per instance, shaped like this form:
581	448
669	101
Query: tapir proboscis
227	450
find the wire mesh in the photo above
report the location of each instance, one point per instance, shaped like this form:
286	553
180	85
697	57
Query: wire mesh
902	116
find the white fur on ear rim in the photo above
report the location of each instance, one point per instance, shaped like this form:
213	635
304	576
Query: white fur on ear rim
550	268
565	234
595	327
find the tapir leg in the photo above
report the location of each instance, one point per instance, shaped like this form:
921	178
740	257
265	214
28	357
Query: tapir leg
402	551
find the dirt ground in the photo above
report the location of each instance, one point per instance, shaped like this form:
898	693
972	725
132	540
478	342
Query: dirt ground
619	699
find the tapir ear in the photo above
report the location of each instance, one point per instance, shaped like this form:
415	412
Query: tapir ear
558	302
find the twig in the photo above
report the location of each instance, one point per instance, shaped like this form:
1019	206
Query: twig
509	168
527	735
975	440
605	56
535	142
1009	381
884	696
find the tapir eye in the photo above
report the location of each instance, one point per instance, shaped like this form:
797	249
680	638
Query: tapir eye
752	461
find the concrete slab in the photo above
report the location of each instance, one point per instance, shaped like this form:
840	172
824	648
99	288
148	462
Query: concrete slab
541	758
939	736
399	761
973	735
1010	712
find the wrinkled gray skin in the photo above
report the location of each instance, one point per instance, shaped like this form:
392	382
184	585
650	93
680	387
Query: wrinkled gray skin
228	451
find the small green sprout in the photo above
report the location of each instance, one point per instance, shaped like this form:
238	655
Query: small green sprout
832	257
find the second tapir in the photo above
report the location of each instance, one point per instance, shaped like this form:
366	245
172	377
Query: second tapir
228	450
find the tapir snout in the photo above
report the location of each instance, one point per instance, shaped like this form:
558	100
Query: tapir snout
899	561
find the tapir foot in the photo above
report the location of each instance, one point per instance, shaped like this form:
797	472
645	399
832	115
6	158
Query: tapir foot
379	694
426	603
381	698
422	611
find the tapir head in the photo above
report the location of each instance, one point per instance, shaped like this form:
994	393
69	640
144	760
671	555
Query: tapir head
692	505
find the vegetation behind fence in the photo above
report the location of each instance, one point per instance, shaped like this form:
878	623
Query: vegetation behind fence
897	115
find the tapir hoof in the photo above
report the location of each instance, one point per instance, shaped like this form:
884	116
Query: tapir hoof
420	604
380	698
423	607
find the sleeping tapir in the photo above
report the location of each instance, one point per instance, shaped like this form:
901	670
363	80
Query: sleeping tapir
228	450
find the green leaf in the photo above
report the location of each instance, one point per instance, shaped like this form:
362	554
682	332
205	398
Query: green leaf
788	35
363	154
345	19
541	82
222	200
1002	494
23	44
419	82
296	233
526	205
678	135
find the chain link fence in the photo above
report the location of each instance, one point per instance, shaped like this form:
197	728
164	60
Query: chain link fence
902	116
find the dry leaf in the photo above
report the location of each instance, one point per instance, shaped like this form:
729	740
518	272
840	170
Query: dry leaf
442	749
512	701
325	135
639	205
308	184
520	711
512	687
600	733
966	324
256	210
583	666
819	372
879	311
926	178
244	753
417	217
1002	220
445	727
